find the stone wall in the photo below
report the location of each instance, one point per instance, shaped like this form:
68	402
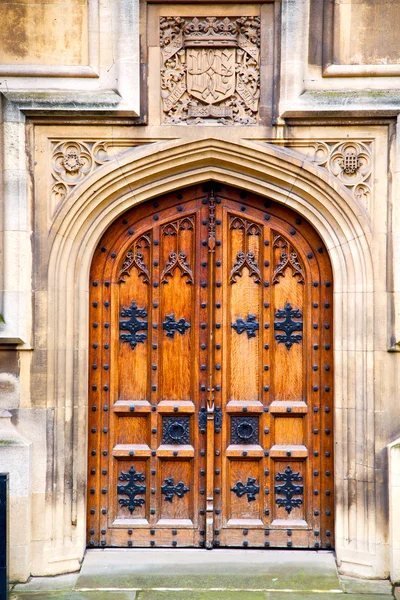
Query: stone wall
89	129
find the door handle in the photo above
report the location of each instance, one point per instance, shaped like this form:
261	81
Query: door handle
203	420
217	419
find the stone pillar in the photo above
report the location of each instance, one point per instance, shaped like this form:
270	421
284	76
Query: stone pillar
15	459
394	249
394	505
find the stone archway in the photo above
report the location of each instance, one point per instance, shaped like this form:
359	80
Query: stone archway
148	172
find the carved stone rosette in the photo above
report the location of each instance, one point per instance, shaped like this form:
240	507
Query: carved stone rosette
210	71
72	161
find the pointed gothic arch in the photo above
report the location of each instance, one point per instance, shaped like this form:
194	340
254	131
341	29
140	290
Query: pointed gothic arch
147	172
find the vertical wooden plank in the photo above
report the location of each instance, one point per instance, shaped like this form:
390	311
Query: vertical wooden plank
177	256
287	295
244	308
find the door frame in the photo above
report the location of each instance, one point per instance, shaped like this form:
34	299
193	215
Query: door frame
267	171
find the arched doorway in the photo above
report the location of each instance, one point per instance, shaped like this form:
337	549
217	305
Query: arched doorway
211	370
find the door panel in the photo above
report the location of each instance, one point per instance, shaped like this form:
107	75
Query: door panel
211	376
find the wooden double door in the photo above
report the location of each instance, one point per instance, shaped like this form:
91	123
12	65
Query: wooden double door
211	370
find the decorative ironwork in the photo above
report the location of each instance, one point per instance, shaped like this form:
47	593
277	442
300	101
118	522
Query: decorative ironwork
170	325
176	430
244	430
135	258
203	420
245	260
177	260
131	489
170	489
211	222
288	489
217	419
133	325
288	325
251	488
250	326
288	258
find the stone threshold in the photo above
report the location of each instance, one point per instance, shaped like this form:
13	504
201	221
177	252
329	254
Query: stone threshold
197	574
221	570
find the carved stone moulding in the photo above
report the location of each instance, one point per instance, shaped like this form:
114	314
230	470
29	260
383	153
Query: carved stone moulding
73	160
210	70
350	161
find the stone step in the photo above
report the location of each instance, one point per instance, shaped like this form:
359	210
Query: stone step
219	570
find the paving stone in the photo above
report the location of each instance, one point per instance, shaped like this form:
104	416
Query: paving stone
204	595
352	585
38	584
325	596
192	595
198	569
73	595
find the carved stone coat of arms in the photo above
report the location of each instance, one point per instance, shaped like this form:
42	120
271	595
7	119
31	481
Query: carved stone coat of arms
210	70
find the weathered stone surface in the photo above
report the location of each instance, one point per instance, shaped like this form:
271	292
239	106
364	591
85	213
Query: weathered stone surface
198	569
72	595
365	586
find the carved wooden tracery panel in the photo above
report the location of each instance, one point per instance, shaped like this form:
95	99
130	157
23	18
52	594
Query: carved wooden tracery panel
210	70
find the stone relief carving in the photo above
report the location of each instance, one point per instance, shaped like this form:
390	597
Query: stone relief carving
350	161
210	70
73	160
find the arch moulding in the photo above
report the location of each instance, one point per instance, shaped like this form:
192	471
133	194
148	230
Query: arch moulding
152	170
